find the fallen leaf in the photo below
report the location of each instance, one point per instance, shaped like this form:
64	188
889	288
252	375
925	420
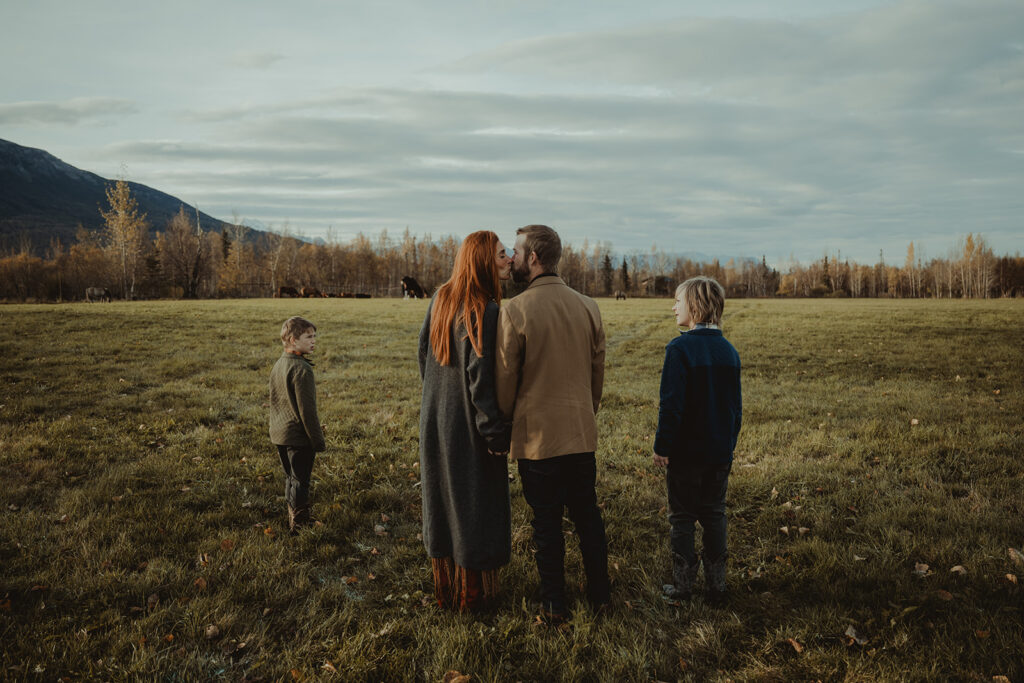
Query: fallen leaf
12	507
5	604
858	558
682	664
804	531
63	519
204	559
959	569
185	489
384	518
1000	679
296	674
854	637
200	583
996	392
788	505
784	530
169	637
212	631
915	422
36	589
371	576
142	565
775	493
1012	578
374	551
117	499
981	634
350	579
153	601
944	595
329	667
227	544
456	677
269	531
380	530
796	646
1016	556
921	569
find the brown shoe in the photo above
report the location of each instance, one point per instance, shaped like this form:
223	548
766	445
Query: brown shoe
298	518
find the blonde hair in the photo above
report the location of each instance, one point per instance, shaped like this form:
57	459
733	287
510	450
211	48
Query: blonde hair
704	299
294	327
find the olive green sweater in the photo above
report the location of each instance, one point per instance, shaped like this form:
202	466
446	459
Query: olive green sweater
293	416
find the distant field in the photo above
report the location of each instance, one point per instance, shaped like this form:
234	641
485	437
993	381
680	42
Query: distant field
142	502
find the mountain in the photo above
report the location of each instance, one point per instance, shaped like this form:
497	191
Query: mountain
41	198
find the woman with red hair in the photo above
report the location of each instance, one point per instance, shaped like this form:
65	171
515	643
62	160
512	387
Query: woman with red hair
463	437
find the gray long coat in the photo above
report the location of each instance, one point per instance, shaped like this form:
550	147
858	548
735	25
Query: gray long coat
466	508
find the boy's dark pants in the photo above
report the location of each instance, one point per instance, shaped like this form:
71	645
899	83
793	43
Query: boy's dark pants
549	486
697	493
298	467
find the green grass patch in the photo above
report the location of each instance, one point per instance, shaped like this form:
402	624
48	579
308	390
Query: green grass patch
143	502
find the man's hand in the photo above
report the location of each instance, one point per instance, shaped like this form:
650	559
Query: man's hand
501	454
660	461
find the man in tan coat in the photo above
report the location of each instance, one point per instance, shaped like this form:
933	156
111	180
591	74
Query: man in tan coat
549	372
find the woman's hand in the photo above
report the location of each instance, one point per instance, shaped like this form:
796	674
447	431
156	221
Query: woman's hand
660	461
501	454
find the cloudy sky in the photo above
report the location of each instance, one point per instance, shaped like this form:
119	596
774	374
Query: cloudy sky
725	128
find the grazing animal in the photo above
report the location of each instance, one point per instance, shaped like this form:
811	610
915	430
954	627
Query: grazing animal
284	291
97	294
311	292
619	294
360	295
347	295
411	288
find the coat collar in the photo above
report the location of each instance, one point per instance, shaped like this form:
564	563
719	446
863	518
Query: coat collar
545	279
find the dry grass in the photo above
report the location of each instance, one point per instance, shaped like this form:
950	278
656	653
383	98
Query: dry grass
142	502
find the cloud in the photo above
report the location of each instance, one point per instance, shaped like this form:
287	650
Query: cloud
255	60
861	131
73	111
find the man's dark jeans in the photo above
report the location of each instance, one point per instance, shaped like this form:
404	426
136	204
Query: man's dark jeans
298	467
549	486
697	493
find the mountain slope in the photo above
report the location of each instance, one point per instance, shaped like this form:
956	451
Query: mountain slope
41	197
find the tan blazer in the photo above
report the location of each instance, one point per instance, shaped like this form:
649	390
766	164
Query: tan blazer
549	369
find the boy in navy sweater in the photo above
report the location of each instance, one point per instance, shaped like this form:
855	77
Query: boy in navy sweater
698	422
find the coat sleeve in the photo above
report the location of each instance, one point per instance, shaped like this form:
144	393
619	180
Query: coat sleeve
670	411
739	407
597	365
507	363
305	395
424	346
480	375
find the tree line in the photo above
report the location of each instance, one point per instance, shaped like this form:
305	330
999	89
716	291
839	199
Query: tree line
184	261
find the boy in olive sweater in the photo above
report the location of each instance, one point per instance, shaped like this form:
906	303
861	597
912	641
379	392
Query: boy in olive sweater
294	425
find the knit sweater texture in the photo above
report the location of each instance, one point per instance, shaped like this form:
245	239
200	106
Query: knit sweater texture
293	416
701	407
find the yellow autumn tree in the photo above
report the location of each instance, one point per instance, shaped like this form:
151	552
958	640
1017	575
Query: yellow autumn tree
124	231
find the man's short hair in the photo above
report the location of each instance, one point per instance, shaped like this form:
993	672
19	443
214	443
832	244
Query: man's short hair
294	327
704	298
545	243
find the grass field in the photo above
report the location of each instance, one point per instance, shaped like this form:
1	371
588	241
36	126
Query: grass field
142	510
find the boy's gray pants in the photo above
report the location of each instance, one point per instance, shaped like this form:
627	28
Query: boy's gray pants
297	462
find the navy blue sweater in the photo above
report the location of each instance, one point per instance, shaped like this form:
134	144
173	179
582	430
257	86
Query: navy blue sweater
701	406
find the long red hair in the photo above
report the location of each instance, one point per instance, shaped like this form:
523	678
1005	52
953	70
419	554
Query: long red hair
463	298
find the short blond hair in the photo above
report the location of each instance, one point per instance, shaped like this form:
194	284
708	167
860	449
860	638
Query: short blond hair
294	327
704	299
